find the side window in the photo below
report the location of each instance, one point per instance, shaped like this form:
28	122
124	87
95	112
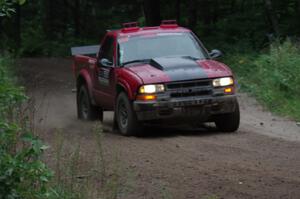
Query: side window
107	49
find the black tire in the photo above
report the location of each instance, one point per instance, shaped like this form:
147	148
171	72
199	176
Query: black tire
85	109
125	116
229	122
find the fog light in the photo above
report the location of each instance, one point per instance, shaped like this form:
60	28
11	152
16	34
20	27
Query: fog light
146	97
228	90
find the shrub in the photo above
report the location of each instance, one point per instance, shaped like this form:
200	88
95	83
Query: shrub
22	173
273	77
281	67
10	95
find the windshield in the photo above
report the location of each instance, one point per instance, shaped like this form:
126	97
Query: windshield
146	47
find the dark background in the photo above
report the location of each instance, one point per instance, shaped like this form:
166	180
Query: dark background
51	27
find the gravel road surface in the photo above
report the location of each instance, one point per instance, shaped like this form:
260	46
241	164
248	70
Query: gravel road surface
261	160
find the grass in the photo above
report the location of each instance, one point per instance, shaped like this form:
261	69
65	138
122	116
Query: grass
78	176
272	77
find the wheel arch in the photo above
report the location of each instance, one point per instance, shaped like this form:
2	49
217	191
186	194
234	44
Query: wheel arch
84	79
124	87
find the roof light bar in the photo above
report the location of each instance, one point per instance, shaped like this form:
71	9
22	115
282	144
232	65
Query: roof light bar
130	27
130	24
169	24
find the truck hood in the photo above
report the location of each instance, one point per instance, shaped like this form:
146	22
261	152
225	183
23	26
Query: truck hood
179	69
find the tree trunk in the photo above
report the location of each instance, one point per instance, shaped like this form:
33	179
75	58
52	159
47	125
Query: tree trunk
299	7
232	6
65	16
216	11
178	5
152	12
48	19
76	16
1	28
243	6
192	17
272	16
18	26
298	17
206	11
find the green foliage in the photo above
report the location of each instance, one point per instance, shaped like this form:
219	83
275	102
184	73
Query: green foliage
284	61
22	173
35	42
235	33
10	95
272	77
7	7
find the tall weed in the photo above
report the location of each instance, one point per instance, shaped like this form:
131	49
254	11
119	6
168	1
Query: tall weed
273	77
22	173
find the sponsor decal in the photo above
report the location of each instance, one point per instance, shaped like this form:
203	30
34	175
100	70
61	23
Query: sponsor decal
104	76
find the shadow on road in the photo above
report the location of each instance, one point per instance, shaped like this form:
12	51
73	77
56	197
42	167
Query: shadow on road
162	131
173	131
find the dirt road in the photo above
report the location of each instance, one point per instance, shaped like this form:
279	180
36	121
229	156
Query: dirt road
261	160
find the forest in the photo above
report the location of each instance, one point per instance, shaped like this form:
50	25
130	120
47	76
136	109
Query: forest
51	27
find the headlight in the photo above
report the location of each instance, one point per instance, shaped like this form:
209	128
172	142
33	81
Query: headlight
225	81
155	88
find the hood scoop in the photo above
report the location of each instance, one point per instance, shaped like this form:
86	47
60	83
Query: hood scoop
173	63
179	68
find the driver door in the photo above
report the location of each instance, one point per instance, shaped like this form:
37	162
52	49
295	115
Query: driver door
105	79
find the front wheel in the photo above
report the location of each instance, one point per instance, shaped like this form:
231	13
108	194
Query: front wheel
125	116
85	109
229	122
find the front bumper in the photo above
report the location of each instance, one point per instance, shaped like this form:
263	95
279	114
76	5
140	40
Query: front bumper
200	107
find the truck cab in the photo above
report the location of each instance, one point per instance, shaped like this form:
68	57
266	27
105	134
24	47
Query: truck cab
154	74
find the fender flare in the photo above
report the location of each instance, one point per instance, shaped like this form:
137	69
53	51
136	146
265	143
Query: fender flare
126	88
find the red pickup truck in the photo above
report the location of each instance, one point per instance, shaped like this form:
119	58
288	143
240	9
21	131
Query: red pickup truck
154	74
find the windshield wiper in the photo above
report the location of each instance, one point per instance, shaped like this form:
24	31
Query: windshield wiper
191	57
136	61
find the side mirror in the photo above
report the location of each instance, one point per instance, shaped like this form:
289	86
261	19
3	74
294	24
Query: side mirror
215	54
105	62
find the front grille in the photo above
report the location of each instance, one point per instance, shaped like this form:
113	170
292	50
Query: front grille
190	88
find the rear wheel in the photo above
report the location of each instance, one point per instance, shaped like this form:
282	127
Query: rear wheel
229	122
85	109
126	117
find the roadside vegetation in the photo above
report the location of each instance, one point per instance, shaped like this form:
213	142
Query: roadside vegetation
22	173
272	76
24	170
